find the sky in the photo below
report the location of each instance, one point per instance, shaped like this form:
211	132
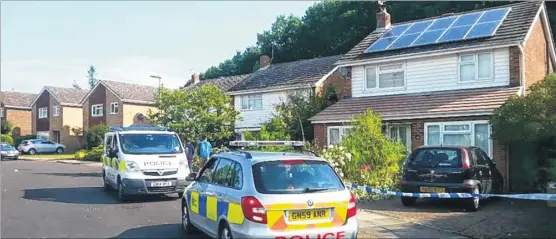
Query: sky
54	43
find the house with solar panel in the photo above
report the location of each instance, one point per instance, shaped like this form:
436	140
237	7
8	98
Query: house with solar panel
437	81
256	95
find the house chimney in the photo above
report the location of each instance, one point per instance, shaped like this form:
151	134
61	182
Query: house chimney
382	18
195	78
264	61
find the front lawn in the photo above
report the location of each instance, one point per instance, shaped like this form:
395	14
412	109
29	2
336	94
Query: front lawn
47	156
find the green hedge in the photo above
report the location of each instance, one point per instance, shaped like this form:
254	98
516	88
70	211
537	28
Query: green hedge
6	138
21	138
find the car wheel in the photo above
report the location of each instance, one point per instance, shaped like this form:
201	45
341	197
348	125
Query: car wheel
32	151
60	150
121	193
474	203
225	232
185	223
408	201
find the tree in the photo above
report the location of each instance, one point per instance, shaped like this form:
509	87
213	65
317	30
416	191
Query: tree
203	112
6	127
95	135
91	75
76	86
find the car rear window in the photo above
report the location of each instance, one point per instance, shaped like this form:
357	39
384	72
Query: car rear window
295	176
435	157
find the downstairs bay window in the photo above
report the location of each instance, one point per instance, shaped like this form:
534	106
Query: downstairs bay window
468	133
336	134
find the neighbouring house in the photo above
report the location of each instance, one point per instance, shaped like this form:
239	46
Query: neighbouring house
437	81
57	116
225	83
256	96
15	107
118	104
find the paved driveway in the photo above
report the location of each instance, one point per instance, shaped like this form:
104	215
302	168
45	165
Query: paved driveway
49	199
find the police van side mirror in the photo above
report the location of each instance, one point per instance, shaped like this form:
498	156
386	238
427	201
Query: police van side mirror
191	177
112	153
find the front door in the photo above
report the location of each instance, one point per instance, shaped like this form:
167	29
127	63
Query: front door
198	196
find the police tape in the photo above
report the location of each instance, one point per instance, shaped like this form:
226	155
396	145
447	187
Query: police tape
529	196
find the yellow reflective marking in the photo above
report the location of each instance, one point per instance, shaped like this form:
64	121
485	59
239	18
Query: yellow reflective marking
122	166
113	163
235	214
212	204
272	217
194	204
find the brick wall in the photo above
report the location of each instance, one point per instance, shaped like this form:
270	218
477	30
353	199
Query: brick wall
515	66
113	119
340	84
22	121
56	123
86	109
536	55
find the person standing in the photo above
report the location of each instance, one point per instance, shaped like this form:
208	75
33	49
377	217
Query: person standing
204	152
190	155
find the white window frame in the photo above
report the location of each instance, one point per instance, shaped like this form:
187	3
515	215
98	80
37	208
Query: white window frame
377	76
114	105
470	131
1	112
249	98
93	112
341	132
43	113
407	133
475	62
55	110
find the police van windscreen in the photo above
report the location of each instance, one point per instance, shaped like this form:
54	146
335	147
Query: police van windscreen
150	144
295	176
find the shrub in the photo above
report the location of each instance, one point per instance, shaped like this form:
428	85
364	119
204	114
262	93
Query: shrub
6	127
18	140
95	154
95	135
374	159
80	155
6	138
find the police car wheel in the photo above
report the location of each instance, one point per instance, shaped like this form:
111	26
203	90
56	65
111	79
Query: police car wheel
185	223
225	232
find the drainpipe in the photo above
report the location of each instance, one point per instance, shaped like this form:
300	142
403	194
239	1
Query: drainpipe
522	52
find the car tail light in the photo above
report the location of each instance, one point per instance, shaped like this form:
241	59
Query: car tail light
352	207
253	210
465	161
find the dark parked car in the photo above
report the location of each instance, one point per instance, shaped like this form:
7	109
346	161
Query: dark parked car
450	169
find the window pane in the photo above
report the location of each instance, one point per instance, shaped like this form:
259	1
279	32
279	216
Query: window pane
387	80
258	104
459	127
433	135
468	58
238	181
223	174
244	103
347	130
485	65
402	135
457	139
371	77
467	72
391	67
481	137
334	136
394	133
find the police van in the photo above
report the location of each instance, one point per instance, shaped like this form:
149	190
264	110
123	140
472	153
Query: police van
279	195
140	160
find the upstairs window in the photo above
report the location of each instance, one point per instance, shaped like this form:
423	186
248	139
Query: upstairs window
387	76
55	110
43	113
97	110
114	108
252	102
476	67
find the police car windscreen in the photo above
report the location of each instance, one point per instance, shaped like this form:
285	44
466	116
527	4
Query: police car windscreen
150	144
435	157
295	176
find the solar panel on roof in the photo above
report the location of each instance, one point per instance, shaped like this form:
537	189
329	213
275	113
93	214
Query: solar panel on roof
441	30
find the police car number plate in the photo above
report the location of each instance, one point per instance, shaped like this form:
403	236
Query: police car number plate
161	184
308	215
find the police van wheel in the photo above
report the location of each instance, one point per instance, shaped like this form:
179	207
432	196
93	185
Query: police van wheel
185	223
225	232
121	194
180	195
105	185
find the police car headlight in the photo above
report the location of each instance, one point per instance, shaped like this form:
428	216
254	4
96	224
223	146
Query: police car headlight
132	166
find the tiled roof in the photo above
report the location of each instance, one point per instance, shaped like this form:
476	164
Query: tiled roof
422	105
132	92
17	99
512	31
301	73
224	82
67	96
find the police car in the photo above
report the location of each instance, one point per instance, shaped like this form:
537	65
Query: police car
143	160
279	195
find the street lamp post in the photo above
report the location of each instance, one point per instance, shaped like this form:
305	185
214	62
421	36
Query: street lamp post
159	89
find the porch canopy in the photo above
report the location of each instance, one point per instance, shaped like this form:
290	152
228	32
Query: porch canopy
455	103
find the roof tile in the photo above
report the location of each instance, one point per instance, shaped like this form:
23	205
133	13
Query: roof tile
67	96
225	83
17	99
132	92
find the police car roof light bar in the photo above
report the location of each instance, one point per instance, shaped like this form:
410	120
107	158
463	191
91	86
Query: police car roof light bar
139	128
266	143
